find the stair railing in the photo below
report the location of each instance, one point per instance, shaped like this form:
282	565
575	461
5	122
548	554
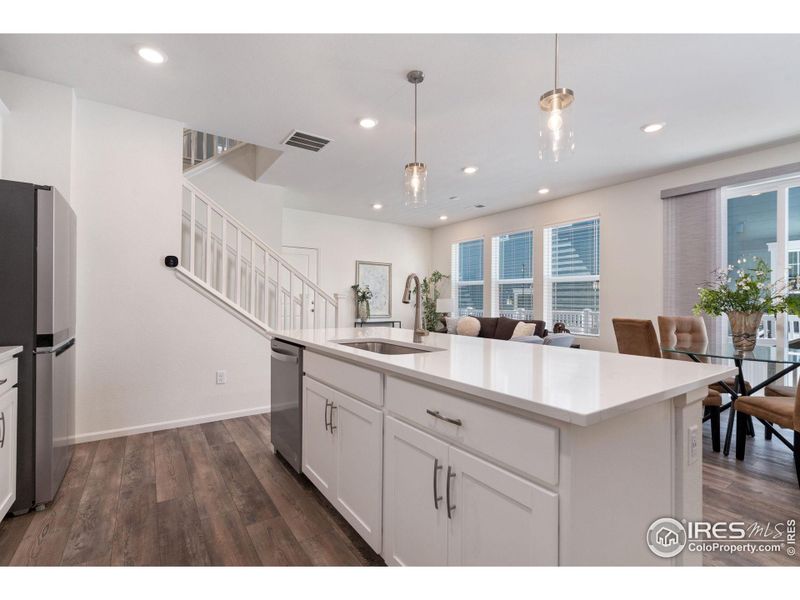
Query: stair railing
223	256
199	147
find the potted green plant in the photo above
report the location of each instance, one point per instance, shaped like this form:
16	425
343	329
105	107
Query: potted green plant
363	296
746	295
430	294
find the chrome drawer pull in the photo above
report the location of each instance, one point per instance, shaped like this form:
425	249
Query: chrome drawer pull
333	427
3	421
2	381
327	404
438	415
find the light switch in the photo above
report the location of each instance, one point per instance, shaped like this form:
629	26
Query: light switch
222	377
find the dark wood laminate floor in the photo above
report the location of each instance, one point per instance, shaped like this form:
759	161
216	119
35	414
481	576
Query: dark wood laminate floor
762	488
211	494
215	494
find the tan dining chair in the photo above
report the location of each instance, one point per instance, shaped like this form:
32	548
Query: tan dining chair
638	337
691	332
783	411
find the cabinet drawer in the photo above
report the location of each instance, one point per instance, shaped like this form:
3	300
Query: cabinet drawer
8	375
356	381
522	444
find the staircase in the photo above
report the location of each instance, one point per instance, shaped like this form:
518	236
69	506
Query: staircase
222	258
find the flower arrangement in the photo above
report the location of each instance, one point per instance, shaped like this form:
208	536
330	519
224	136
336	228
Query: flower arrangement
751	291
363	296
745	297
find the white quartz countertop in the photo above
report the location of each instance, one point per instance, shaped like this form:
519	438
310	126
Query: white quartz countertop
577	386
8	352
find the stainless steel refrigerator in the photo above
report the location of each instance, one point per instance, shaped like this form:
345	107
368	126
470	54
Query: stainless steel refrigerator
37	311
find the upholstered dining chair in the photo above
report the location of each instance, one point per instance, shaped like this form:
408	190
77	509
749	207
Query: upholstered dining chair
783	411
690	332
638	337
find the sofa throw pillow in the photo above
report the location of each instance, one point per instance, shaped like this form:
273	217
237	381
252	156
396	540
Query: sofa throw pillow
468	326
523	330
452	324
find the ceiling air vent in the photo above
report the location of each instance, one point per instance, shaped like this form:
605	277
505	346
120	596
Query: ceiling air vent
306	141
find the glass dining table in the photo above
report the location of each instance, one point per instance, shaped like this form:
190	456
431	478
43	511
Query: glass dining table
781	359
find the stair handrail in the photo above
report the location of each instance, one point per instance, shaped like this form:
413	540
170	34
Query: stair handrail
256	242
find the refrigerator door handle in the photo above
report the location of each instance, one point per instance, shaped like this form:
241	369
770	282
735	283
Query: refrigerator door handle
57	350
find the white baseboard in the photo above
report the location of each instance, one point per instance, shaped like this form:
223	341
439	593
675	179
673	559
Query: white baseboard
124	431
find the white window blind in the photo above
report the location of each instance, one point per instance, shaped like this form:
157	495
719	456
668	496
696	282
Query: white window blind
512	275
467	277
572	276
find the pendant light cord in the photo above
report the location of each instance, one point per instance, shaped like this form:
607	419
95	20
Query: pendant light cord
555	82
415	122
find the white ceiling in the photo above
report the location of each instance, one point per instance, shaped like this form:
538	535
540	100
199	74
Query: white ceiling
719	94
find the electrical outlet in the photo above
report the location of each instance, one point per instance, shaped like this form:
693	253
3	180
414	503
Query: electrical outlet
694	444
222	377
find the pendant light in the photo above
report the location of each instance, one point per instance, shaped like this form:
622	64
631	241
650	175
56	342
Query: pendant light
416	172
556	136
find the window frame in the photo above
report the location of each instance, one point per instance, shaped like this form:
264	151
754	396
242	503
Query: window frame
495	281
456	283
782	249
548	279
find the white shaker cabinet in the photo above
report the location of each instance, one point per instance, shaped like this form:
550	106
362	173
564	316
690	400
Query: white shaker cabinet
414	516
343	455
445	506
497	518
8	435
319	444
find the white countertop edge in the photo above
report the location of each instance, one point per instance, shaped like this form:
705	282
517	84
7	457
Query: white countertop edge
8	352
530	406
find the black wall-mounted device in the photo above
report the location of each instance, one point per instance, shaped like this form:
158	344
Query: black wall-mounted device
171	261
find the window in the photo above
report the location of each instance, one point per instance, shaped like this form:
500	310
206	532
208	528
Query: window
757	215
512	275
572	276
467	277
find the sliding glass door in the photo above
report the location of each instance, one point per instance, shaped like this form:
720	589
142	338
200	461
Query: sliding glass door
763	222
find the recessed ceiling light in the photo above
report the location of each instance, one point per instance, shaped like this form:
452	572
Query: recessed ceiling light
469	170
151	55
652	127
377	206
443	218
544	191
368	123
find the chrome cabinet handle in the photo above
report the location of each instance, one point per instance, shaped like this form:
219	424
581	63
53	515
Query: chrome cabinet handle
2	381
333	427
450	509
436	497
3	421
327	404
441	417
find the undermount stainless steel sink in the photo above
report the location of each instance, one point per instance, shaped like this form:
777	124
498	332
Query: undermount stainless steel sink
380	347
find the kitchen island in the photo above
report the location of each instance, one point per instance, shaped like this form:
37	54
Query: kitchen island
470	451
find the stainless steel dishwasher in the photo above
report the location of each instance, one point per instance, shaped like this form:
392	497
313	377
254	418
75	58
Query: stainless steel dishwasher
287	401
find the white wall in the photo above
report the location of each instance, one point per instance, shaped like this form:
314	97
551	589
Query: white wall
344	240
37	132
231	183
631	235
148	345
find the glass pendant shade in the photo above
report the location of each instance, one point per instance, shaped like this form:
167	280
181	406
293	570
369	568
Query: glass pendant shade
556	133
415	176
